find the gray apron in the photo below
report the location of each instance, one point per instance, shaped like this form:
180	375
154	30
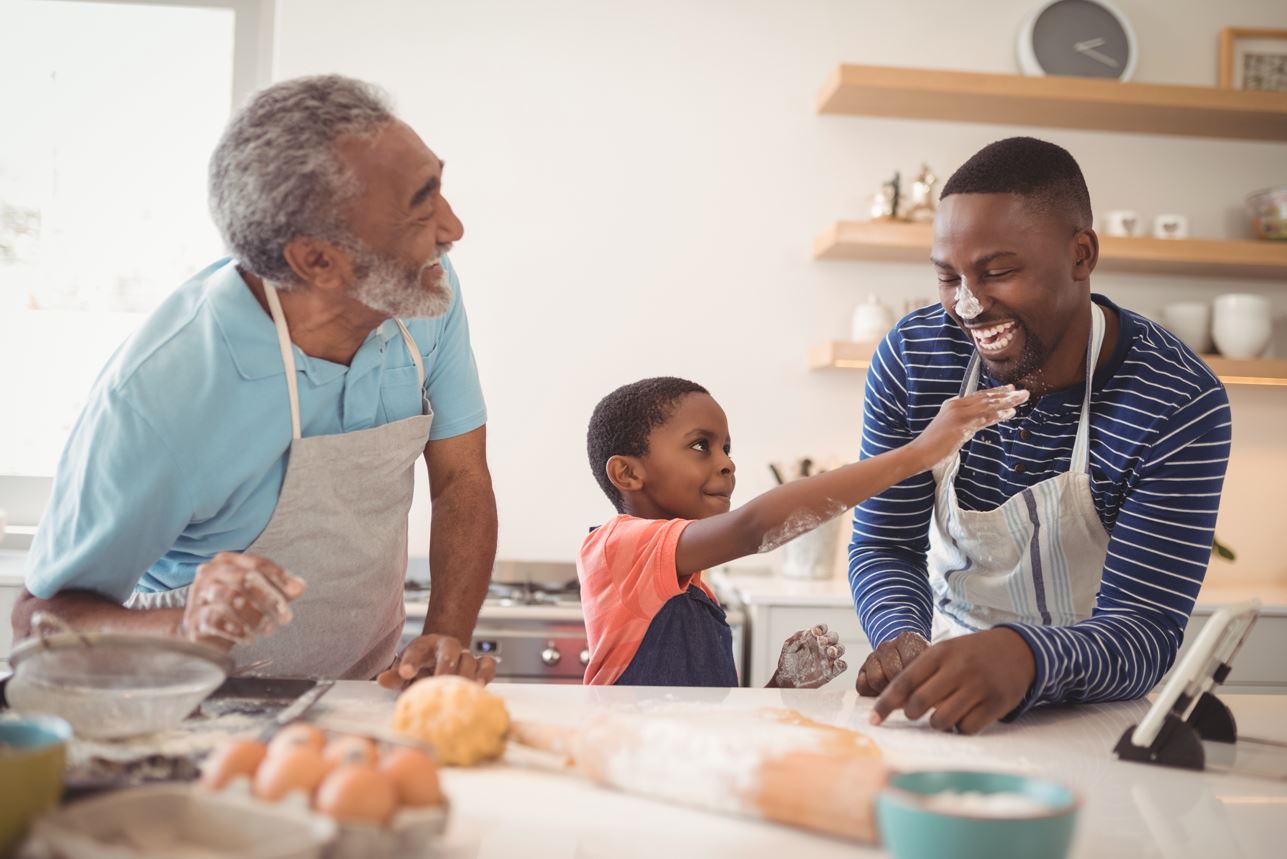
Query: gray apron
341	525
1036	559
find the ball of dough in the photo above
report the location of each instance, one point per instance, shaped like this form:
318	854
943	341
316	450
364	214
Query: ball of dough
462	720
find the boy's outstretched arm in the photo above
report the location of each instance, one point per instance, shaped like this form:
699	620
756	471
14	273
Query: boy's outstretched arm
784	513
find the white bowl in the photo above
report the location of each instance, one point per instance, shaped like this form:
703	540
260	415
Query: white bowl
1191	322
1241	325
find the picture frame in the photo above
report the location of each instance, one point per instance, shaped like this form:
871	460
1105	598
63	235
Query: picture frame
1253	58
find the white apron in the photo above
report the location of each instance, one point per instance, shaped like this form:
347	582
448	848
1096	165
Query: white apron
1036	559
341	525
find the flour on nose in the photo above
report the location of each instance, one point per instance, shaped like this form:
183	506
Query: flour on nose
967	306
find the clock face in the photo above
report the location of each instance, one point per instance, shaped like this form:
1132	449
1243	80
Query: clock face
1081	38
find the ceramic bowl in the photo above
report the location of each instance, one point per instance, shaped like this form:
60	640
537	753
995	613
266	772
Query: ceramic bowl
33	753
1191	322
1241	325
915	822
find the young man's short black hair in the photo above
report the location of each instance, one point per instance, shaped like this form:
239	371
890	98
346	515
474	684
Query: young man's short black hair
623	419
1044	173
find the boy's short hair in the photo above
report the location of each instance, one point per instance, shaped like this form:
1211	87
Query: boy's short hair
1044	173
622	421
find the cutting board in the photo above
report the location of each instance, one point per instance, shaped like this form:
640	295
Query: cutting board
771	764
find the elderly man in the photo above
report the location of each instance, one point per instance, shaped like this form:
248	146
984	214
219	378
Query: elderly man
242	472
1066	546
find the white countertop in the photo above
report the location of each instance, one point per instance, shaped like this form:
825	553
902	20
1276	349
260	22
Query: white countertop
769	589
1130	809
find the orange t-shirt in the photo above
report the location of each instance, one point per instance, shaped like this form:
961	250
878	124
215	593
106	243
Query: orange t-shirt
627	572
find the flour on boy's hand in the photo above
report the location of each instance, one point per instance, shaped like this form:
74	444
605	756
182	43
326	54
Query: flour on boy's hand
811	658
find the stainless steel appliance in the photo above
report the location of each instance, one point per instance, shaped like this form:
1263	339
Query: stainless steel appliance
531	621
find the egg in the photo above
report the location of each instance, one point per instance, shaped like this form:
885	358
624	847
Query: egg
287	769
237	758
299	734
357	794
349	750
414	775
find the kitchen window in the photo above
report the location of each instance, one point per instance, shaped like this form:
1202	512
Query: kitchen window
110	113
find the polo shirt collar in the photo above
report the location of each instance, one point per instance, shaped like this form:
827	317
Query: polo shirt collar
251	336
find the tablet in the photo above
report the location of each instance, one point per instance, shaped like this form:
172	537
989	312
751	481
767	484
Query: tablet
1203	668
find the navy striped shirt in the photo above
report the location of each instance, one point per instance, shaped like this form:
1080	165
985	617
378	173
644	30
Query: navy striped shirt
1159	445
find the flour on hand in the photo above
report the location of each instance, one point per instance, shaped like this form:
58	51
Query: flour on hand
810	658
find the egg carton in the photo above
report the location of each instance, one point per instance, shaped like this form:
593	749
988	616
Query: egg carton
411	833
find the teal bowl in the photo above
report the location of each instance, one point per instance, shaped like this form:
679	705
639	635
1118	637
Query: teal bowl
32	756
917	820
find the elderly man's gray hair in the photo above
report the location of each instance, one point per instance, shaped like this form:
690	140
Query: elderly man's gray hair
276	175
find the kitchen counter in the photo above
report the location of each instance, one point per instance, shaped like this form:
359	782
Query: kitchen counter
1129	809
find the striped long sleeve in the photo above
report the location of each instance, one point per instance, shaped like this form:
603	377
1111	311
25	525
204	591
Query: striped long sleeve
1160	435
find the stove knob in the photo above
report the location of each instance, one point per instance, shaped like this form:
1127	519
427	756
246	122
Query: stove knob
550	655
585	656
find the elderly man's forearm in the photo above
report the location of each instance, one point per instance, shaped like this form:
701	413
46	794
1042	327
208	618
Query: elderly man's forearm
462	548
84	609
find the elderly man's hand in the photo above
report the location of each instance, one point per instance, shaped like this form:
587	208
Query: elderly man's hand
435	654
887	661
236	598
969	682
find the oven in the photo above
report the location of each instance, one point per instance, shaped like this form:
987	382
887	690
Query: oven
531	621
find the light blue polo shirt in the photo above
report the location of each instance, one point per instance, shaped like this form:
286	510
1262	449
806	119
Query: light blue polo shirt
182	447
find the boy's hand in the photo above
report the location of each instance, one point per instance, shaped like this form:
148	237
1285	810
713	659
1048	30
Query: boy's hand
960	418
810	658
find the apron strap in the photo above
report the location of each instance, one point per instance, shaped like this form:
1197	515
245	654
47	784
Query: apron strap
414	350
1081	449
288	354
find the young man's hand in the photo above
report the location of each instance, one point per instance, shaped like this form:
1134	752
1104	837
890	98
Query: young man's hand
969	682
959	418
810	658
888	661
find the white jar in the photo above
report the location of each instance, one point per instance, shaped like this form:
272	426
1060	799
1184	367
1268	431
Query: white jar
872	321
1241	325
1191	322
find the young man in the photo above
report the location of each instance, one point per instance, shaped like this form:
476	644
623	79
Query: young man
1067	546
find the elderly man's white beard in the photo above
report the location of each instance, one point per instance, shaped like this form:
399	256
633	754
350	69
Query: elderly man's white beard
389	286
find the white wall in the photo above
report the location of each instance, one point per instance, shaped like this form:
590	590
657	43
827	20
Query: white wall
641	183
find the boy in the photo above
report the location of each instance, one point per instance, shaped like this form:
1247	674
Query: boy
660	451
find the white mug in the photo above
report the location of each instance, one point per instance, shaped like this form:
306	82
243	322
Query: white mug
1191	322
1170	227
1121	222
1241	325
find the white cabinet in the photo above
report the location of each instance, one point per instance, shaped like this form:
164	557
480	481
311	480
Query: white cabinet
769	626
1261	666
8	596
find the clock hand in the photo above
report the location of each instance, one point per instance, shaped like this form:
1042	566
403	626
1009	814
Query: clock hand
1103	58
1089	43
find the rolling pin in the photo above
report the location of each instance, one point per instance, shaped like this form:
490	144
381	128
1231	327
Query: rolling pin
772	765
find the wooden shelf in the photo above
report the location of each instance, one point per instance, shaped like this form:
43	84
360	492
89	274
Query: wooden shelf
903	242
1054	102
844	355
